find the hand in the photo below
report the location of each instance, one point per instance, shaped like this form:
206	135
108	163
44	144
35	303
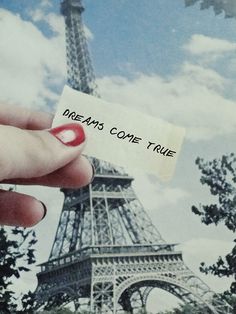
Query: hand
30	154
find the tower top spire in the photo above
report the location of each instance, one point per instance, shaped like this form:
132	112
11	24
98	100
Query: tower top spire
80	74
71	5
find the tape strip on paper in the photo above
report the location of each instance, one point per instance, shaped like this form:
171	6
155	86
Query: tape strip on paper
122	136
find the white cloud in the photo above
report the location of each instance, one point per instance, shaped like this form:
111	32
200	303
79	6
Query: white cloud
37	15
46	3
208	50
150	192
200	44
192	98
55	22
88	33
29	62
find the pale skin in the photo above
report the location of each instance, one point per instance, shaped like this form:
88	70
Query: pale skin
30	155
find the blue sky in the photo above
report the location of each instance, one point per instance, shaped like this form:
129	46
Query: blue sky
148	35
156	56
143	36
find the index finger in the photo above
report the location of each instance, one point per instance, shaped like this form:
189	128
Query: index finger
24	118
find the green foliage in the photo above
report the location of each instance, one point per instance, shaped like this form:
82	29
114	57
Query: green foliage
56	302
28	303
219	6
16	253
230	299
188	309
220	176
143	311
62	310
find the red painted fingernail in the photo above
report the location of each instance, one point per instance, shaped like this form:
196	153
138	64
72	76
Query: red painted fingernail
71	134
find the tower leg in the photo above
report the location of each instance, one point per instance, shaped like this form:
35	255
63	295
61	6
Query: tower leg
135	301
102	298
126	303
76	304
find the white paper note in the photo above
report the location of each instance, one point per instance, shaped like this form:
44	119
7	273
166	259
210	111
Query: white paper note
122	136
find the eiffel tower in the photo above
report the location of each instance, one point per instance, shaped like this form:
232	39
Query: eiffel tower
107	255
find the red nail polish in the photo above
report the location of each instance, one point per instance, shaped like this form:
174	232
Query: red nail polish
71	134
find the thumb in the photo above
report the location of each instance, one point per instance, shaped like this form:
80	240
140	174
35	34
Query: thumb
29	154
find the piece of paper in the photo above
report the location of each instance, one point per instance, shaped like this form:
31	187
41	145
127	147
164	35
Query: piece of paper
122	136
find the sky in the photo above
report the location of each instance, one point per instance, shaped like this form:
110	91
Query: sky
172	62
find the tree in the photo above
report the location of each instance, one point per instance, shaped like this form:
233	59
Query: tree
16	253
199	309
187	309
220	176
228	7
230	299
61	310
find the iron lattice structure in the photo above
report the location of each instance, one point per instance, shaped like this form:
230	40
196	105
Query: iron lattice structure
107	255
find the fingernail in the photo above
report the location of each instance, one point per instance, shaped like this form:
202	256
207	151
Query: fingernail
45	210
93	174
71	134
